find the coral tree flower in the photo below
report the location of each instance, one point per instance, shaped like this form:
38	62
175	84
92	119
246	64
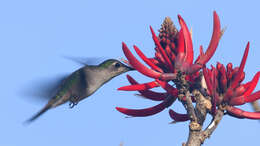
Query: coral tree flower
226	88
173	54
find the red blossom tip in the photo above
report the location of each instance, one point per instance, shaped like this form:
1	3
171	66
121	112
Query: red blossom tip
253	97
181	42
146	60
252	84
188	41
241	68
177	117
236	112
138	65
148	93
213	42
142	112
139	87
201	53
161	50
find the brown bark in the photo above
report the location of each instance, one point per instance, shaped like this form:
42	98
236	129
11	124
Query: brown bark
197	115
197	137
256	106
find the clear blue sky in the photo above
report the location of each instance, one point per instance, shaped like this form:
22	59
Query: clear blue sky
34	35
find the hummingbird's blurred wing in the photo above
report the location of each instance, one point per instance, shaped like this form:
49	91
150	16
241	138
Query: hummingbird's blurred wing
43	89
86	60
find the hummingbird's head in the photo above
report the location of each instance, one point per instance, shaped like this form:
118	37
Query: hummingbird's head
114	67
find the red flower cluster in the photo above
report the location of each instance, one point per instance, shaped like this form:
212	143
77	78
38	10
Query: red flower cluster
174	55
226	88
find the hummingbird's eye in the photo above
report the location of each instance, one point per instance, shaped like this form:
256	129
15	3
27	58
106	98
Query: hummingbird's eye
117	65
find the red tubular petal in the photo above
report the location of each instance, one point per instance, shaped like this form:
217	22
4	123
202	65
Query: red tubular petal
172	46
213	42
180	61
178	117
247	85
171	90
241	68
142	112
201	53
146	60
223	78
181	42
218	65
238	75
228	94
188	42
236	112
154	61
173	58
229	67
194	68
234	72
168	76
213	69
157	43
155	96
139	87
240	100
210	75
252	84
229	70
170	53
242	77
239	91
158	55
148	93
139	66
253	97
186	67
214	89
223	70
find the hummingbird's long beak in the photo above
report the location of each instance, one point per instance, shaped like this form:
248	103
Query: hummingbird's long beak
129	68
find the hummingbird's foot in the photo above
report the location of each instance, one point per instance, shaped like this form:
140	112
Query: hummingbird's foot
72	104
73	101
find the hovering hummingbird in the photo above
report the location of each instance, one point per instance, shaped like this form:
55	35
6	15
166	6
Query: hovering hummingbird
83	83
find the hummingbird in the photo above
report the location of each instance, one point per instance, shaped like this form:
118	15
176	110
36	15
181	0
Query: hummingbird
83	83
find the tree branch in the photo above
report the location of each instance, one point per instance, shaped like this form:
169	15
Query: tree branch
212	126
190	108
202	106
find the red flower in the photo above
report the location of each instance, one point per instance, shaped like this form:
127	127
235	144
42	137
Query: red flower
173	54
226	88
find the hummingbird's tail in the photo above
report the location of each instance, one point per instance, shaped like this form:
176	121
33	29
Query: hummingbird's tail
47	107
